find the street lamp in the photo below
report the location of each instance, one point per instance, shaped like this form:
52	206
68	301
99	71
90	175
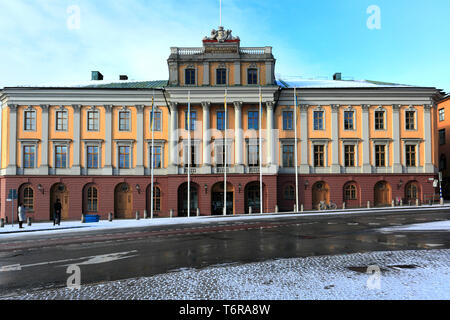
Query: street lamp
138	188
306	184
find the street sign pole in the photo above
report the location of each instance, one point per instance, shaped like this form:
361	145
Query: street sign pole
441	199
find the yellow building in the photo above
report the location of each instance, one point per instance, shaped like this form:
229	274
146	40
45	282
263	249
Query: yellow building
90	146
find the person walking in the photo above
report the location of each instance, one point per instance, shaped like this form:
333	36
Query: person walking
21	213
57	215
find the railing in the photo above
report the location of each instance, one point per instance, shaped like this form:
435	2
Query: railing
189	51
222	169
201	50
192	170
256	50
253	169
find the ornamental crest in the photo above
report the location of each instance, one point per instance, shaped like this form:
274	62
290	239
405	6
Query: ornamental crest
221	35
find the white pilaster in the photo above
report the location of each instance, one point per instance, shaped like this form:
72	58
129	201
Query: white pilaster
76	138
173	139
397	163
13	125
44	140
304	166
140	140
365	125
238	137
335	166
206	135
108	138
269	135
429	167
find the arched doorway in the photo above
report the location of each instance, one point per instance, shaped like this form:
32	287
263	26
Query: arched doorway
252	197
320	192
217	198
59	191
90	199
382	194
412	191
123	201
183	199
156	200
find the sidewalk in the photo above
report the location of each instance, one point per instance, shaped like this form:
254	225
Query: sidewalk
41	228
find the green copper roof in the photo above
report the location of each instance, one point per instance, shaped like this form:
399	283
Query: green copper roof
158	84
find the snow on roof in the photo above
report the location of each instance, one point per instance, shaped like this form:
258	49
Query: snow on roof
122	84
313	83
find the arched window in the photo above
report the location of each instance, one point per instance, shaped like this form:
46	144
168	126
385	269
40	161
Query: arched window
92	199
289	193
350	192
28	198
411	191
156	199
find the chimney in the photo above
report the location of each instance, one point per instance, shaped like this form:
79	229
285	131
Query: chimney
123	77
337	76
96	76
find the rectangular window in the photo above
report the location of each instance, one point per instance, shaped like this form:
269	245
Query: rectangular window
93	120
220	157
61	157
92	157
157	157
410	120
349	120
410	155
288	117
442	136
192	155
318	120
192	122
252	76
319	156
288	156
349	151
253	155
61	120
124	157
28	156
124	121
221	76
190	76
441	114
220	120
253	119
379	120
30	120
380	155
156	122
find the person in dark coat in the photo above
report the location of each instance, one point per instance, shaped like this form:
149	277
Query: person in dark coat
57	209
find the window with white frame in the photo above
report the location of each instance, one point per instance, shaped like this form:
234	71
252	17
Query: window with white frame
124	156
349	120
189	76
156	156
93	120
29	156
156	121
288	119
319	155
124	120
411	155
29	118
379	116
252	76
93	156
318	118
349	155
61	120
253	154
61	156
410	120
221	76
380	155
441	114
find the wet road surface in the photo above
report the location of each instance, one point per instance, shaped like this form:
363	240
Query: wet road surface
38	262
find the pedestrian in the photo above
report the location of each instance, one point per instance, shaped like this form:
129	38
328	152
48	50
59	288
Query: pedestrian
21	213
57	215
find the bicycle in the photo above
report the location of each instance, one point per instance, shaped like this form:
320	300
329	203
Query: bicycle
325	206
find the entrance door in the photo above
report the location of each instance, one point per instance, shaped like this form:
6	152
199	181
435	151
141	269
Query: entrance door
320	192
59	191
183	200
217	199
253	197
382	194
123	202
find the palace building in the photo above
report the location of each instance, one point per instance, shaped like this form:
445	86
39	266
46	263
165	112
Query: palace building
90	146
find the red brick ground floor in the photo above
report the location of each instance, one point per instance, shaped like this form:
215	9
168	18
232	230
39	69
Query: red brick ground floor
123	196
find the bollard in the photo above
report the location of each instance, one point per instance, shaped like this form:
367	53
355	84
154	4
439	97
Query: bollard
368	204
110	217
301	207
83	219
137	215
198	211
249	210
171	213
343	205
417	203
276	208
430	202
2	223
29	221
401	202
145	214
295	208
409	202
392	203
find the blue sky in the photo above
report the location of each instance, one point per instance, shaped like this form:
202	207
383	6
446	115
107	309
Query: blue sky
310	39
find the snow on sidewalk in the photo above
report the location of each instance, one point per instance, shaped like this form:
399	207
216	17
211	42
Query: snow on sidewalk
405	275
426	226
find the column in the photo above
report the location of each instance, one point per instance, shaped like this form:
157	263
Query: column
12	166
304	165
173	138
269	135
238	137
365	125
335	165
396	144
43	169
206	73
428	143
76	139
140	140
108	139
206	138
237	73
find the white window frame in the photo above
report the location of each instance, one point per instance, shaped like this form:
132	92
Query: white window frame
412	142
61	144
324	126
156	110
29	109
386	144
123	110
350	142
195	74
443	114
29	143
66	124
220	143
93	144
380	109
354	119
282	118
124	143
196	144
325	143
410	109
253	66
157	143
227	117
98	120
227	71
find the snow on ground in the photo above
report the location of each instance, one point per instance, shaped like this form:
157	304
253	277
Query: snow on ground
43	228
406	275
426	226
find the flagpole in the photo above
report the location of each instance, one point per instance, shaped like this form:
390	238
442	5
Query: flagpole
152	154
225	161
295	148
189	154
260	153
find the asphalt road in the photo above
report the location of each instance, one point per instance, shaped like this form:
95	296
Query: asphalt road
41	262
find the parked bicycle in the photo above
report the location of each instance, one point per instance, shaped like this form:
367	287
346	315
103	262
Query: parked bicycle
324	206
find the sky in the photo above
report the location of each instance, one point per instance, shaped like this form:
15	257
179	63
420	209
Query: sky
51	42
